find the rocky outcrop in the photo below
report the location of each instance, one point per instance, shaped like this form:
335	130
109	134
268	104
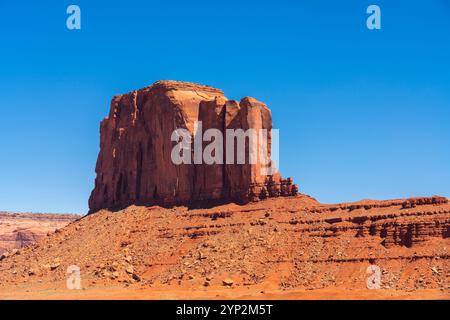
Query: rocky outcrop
135	166
398	222
279	244
18	230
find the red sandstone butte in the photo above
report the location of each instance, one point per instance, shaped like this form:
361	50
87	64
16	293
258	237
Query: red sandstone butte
134	164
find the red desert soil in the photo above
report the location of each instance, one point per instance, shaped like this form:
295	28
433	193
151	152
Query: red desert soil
280	248
18	230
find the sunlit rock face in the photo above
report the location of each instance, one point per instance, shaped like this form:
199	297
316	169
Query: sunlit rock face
135	164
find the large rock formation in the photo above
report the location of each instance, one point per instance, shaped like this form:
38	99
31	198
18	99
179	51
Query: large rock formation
135	165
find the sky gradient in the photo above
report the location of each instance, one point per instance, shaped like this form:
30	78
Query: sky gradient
362	114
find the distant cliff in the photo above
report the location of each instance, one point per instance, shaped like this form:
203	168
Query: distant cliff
20	229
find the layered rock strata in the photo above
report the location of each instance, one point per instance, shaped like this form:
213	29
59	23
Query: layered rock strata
18	230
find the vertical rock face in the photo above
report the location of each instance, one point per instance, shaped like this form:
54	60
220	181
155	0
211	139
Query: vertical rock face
135	166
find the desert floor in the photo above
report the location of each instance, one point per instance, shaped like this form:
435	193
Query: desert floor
58	291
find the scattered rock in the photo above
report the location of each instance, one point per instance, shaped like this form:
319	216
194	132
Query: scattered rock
54	266
129	270
227	282
136	277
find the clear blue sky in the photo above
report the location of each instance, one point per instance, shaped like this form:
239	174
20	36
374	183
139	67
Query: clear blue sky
362	114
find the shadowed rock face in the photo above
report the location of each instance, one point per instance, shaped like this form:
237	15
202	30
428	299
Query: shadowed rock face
134	164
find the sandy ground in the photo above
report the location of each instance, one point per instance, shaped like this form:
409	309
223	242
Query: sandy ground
58	291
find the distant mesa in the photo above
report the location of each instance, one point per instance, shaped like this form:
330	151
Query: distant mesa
134	164
18	230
